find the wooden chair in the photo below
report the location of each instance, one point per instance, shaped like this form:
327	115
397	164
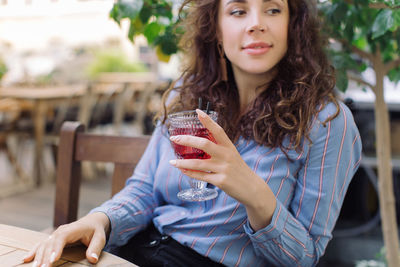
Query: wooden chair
76	146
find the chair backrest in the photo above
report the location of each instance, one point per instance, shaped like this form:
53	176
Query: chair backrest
76	146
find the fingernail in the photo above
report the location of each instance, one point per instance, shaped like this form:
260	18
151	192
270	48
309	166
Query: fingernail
94	255
175	138
172	162
201	113
43	265
34	264
53	256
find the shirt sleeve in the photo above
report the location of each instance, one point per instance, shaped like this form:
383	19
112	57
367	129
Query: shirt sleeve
131	210
298	234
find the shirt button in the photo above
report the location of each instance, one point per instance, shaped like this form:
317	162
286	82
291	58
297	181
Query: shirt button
164	238
153	243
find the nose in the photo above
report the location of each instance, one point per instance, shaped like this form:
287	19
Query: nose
256	24
255	28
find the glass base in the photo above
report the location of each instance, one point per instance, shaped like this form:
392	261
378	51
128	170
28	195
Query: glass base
197	194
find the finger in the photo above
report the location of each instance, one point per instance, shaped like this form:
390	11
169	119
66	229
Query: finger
201	176
199	165
216	130
39	256
96	245
48	252
31	254
57	250
196	142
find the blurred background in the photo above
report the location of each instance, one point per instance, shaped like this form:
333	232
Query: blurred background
87	60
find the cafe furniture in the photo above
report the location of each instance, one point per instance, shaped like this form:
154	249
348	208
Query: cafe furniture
16	242
42	100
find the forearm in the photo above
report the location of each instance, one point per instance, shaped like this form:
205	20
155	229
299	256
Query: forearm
261	206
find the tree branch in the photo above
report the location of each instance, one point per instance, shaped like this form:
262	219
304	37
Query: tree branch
375	5
360	80
362	53
392	65
382	6
356	50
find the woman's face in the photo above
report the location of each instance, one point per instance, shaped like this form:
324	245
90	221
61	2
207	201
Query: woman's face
253	33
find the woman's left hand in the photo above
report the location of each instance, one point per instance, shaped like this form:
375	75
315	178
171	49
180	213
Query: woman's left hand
225	169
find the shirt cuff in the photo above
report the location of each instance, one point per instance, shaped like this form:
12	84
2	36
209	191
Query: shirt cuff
273	230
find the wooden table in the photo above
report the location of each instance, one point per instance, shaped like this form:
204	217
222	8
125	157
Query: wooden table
42	99
15	242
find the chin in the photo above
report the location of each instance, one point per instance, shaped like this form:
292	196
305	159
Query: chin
258	71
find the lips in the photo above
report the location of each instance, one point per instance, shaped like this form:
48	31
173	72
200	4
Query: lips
257	48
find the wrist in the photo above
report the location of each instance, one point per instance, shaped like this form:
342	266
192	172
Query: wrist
262	206
102	219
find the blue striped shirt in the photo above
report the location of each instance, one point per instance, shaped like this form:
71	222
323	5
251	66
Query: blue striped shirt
309	189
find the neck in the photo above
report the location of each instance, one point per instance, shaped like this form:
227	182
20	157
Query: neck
249	87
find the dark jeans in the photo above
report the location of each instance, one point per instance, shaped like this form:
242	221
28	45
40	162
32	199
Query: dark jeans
149	248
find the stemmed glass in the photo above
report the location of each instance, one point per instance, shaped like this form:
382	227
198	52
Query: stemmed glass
187	123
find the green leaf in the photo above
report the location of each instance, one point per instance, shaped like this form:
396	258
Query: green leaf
151	31
396	16
145	13
164	10
383	22
339	12
341	80
115	14
132	31
363	67
394	75
361	43
130	8
167	42
361	2
168	47
349	32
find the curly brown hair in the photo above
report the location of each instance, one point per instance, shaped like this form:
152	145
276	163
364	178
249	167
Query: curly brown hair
303	85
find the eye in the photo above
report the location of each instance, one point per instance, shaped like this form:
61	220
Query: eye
273	11
237	12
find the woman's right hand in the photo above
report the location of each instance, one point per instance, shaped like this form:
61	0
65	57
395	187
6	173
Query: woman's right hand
90	230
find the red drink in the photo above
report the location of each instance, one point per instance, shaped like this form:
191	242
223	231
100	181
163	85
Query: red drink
186	152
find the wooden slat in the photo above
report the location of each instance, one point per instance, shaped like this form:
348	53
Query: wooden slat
5	249
19	238
110	148
59	92
62	263
13	258
77	254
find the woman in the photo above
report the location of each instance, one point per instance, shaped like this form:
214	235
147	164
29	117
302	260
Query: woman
285	152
